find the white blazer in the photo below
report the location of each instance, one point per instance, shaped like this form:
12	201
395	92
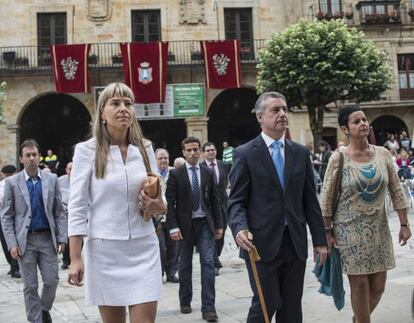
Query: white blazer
108	208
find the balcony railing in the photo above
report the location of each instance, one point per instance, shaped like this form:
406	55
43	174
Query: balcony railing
108	55
379	12
337	9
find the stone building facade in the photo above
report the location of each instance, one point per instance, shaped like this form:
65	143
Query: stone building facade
33	109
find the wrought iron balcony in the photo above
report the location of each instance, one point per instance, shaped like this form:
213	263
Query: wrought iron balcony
336	9
379	12
108	55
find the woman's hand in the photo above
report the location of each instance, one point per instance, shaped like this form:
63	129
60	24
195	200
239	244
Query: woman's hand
76	271
331	241
151	206
404	235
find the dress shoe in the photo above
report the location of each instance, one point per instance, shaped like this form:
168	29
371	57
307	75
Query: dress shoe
185	309
15	274
64	266
210	316
173	279
46	317
216	272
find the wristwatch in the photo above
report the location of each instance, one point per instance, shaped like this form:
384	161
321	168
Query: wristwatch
407	225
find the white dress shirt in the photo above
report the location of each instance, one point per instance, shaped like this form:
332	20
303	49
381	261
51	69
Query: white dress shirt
269	141
216	170
198	213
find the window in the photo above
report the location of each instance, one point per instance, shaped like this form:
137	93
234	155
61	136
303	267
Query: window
238	25
146	25
332	7
406	75
51	30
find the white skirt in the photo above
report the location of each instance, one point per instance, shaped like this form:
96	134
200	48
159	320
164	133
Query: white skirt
122	272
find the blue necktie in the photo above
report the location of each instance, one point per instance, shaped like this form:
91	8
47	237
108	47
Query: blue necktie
195	189
279	162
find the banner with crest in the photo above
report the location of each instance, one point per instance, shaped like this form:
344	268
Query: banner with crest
222	63
70	68
145	70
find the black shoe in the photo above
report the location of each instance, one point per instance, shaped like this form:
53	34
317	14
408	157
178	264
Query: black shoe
46	317
15	274
216	272
173	279
219	264
9	272
64	266
185	309
210	316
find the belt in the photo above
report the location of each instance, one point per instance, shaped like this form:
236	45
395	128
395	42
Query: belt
199	219
39	231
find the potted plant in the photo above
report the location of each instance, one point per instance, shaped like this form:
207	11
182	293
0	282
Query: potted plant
117	59
245	53
171	57
44	59
21	61
9	57
196	56
349	15
338	15
320	15
93	59
411	12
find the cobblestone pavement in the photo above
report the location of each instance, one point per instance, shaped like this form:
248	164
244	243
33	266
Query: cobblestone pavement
232	294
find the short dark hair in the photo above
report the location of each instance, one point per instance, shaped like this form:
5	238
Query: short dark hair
28	143
8	169
345	112
190	140
208	143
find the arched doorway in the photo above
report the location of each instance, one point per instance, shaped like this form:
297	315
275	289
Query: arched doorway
329	135
166	134
387	124
231	118
57	122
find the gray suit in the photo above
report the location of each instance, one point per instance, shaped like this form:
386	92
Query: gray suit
37	248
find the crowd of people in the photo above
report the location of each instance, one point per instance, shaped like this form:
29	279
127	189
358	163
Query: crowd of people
96	215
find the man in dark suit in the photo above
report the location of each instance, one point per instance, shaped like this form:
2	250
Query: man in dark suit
194	218
221	178
272	199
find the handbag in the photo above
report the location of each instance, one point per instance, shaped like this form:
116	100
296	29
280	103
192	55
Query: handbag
338	183
152	183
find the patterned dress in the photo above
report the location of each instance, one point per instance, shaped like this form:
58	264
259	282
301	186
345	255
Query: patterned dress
360	225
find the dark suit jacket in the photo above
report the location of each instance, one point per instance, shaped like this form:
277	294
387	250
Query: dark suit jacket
258	203
222	188
178	195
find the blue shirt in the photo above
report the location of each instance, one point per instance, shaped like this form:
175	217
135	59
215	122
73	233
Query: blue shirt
39	219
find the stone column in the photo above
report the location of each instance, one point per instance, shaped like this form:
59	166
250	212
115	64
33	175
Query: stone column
197	127
11	151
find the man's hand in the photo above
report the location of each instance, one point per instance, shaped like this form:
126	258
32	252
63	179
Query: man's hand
15	252
244	239
322	252
404	235
219	234
61	248
176	236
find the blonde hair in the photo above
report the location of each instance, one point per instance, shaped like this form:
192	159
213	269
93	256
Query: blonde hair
102	136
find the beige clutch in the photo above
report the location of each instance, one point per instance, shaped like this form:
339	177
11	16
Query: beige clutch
152	187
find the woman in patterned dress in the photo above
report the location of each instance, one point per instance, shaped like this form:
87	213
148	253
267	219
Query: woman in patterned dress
360	226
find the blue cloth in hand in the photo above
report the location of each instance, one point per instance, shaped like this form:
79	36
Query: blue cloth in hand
330	277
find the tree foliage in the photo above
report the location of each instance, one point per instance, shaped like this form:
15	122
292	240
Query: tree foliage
317	63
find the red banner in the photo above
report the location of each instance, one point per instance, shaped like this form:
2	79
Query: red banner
70	68
145	70
222	63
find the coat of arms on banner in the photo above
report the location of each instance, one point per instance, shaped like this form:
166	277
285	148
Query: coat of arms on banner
220	62
70	66
145	73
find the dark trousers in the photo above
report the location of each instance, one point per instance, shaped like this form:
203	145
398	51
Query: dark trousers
282	284
168	251
203	238
65	256
14	265
218	247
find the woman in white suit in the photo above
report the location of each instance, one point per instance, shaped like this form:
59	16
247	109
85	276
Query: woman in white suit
121	260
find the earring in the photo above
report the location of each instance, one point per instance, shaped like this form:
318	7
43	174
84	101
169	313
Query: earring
104	121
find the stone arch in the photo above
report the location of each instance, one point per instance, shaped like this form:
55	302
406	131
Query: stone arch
385	124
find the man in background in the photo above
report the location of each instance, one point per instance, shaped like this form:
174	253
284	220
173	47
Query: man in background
64	185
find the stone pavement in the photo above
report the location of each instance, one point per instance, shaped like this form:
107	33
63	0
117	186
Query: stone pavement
233	294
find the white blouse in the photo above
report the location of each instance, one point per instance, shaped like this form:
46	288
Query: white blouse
108	208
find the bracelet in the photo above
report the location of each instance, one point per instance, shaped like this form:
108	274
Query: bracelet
406	225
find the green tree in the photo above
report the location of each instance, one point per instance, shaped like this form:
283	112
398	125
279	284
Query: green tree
317	63
2	99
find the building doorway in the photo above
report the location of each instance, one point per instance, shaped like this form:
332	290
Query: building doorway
385	125
166	134
232	118
57	122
